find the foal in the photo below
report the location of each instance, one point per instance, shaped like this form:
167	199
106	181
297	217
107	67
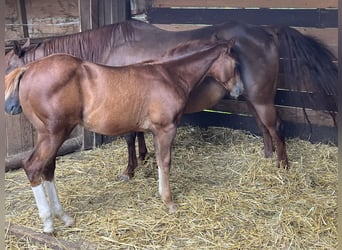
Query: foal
59	92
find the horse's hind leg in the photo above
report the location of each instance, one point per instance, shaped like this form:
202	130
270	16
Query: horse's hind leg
41	163
55	204
132	158
142	146
269	117
267	139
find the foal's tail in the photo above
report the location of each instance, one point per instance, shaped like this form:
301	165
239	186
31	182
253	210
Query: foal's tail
12	102
310	67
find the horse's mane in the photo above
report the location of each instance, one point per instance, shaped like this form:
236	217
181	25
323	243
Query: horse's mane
86	44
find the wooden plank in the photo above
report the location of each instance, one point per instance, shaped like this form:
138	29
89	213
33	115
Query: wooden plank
315	101
290	114
309	100
70	145
46	240
321	134
293	17
246	3
84	13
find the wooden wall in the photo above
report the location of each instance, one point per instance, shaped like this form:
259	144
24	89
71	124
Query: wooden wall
38	18
312	17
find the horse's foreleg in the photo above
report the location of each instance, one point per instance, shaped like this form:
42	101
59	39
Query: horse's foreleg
163	139
55	204
132	157
142	146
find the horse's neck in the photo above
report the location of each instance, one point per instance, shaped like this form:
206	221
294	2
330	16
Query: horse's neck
190	71
34	54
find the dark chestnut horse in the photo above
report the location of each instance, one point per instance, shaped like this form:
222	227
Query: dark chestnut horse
258	49
58	92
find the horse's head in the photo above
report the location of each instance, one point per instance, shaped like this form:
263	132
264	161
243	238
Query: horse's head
226	71
15	58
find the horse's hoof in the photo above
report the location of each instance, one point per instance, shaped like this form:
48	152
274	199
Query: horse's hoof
68	221
142	157
268	154
124	177
172	209
52	234
48	226
48	229
283	164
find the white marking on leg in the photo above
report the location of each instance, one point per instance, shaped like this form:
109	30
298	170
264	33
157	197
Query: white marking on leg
45	213
160	181
55	204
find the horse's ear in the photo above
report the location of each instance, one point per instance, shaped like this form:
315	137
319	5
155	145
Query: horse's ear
17	49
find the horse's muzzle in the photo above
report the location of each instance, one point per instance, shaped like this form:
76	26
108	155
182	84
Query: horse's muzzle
237	90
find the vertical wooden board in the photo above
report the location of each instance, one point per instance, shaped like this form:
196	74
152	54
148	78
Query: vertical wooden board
84	12
95	16
27	134
12	133
107	12
23	16
19	134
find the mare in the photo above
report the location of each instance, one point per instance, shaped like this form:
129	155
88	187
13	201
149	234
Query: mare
149	96
258	49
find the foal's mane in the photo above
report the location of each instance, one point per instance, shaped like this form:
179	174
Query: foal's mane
86	44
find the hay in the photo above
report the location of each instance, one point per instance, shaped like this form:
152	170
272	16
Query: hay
228	196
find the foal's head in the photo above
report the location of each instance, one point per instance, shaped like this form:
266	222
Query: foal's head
226	68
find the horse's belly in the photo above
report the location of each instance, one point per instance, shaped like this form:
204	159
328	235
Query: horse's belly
111	125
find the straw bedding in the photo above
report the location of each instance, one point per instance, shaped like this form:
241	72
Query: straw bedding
228	196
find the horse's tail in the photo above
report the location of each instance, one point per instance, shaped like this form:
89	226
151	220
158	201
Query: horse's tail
12	80
310	67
